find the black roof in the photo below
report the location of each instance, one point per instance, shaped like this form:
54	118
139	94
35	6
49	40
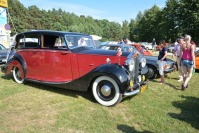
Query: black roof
53	32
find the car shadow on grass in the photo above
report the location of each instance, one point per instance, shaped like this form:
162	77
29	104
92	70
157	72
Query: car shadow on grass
189	111
72	93
128	129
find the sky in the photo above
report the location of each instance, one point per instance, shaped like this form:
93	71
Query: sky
112	10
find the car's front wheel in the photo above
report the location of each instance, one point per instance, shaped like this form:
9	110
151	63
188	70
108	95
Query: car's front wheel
153	72
106	91
17	75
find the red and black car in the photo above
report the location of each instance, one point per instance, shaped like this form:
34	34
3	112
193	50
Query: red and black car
70	60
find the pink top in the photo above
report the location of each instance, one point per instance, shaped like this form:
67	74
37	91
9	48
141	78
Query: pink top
187	54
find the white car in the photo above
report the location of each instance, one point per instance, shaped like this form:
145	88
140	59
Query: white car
147	45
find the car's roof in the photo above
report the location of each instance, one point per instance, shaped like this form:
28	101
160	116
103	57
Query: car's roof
53	32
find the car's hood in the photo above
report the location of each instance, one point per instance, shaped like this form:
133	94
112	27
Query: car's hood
155	58
83	50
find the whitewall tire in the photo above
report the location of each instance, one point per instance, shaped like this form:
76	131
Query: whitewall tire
106	91
16	74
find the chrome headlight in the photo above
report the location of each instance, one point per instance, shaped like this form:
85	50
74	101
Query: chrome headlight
143	62
167	66
130	63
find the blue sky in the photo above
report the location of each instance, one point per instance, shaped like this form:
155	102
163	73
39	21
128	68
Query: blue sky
112	10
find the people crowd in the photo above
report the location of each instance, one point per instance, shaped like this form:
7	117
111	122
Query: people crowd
184	51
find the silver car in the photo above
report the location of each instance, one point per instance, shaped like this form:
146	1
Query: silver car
3	54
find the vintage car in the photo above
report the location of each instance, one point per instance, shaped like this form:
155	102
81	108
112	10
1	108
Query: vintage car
3	54
151	61
170	66
141	49
147	46
197	59
70	60
123	47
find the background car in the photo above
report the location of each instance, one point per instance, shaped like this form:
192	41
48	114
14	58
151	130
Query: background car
151	61
154	69
171	47
197	59
3	54
141	49
157	48
147	46
124	47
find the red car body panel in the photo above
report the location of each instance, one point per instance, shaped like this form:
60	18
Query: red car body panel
68	66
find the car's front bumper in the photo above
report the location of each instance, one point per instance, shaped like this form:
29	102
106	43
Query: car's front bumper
137	88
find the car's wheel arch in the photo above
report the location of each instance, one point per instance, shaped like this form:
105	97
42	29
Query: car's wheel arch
16	60
116	75
155	69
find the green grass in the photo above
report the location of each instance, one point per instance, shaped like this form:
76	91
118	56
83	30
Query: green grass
38	108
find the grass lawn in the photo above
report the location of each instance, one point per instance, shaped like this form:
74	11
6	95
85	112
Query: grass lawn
38	108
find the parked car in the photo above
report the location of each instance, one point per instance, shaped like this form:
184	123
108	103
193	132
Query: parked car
124	47
141	49
158	47
197	59
151	61
170	66
147	46
59	59
171	48
3	54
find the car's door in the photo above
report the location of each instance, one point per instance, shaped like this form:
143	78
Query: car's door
60	69
29	48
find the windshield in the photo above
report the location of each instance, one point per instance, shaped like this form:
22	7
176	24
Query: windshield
79	41
2	48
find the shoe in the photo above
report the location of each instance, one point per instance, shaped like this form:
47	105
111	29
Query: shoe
180	80
187	86
183	87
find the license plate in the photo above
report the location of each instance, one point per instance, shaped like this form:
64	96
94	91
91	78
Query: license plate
143	88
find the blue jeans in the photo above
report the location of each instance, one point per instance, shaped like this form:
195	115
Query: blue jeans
187	63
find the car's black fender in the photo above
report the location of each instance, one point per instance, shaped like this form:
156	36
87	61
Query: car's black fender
115	71
18	58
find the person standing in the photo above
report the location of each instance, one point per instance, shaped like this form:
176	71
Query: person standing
177	53
162	60
187	57
153	44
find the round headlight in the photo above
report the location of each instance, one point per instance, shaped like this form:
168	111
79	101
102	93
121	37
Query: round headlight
143	62
131	64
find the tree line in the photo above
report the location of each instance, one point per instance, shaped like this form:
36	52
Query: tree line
177	18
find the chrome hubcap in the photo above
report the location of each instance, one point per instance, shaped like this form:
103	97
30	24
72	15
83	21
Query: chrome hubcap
106	90
18	73
151	72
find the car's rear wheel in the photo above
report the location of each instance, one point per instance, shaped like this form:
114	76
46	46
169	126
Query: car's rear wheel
153	72
17	75
106	91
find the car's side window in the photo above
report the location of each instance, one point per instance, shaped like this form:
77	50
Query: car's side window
60	43
29	41
53	42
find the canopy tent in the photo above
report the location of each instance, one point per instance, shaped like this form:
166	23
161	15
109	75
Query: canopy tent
95	37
